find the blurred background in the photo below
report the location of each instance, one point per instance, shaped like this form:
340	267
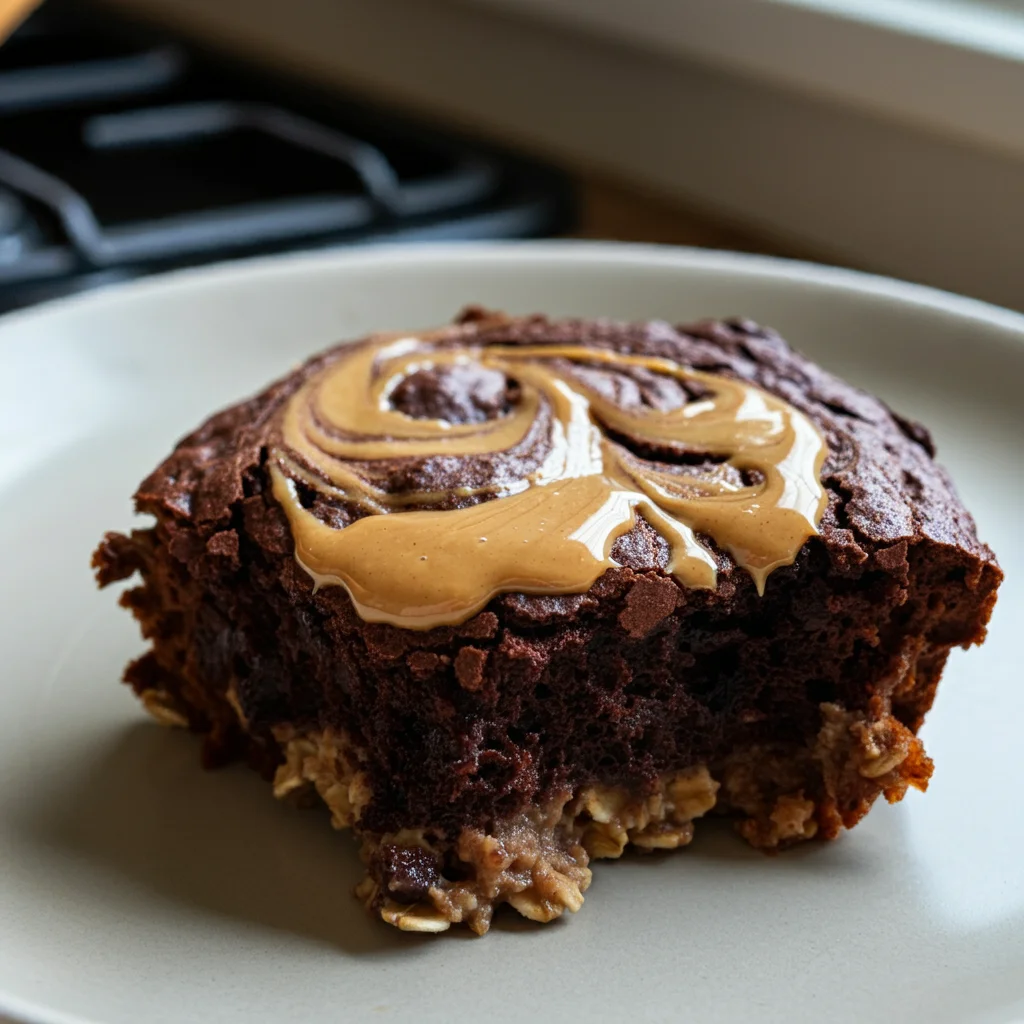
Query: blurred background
141	135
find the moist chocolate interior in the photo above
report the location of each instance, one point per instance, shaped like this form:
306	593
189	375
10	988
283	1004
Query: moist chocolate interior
467	725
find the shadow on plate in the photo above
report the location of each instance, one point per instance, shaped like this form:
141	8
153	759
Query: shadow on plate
141	807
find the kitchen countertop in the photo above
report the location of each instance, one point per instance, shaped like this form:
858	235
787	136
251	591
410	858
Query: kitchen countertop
612	210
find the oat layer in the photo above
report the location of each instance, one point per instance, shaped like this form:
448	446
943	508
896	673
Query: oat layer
537	861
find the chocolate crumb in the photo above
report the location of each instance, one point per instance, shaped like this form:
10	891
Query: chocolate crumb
649	601
469	668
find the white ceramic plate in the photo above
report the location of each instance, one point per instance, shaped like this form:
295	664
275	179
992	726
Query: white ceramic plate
136	889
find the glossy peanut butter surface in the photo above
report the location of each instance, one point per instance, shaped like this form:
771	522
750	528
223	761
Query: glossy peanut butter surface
551	529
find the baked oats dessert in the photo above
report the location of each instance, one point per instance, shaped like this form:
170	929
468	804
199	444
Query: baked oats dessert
520	593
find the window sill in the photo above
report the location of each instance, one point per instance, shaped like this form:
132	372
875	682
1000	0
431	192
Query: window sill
953	66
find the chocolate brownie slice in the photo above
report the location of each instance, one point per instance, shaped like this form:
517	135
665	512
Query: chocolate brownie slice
737	582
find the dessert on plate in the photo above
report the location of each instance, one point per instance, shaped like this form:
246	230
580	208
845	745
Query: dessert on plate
520	593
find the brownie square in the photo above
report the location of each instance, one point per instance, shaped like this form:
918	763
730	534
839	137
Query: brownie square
488	760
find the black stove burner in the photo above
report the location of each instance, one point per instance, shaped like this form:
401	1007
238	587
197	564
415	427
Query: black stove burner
123	152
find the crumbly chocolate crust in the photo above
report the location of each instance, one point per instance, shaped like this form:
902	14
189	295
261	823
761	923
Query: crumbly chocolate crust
801	706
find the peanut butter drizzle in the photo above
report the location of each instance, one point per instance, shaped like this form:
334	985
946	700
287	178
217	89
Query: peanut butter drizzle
551	532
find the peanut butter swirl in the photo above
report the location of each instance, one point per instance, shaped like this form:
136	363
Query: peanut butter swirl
551	529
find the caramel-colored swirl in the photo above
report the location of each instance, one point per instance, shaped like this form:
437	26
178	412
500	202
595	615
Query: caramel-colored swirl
552	529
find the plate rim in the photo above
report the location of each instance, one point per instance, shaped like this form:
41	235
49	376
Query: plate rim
581	252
